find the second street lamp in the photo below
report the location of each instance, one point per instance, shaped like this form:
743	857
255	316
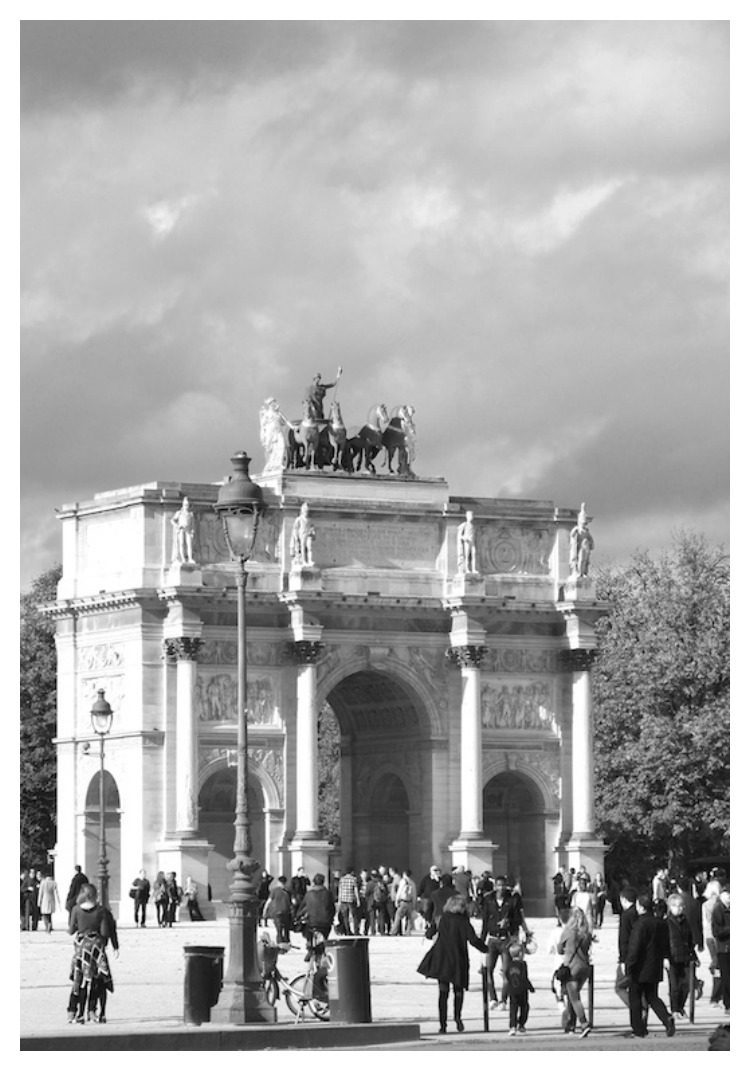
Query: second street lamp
101	722
243	1000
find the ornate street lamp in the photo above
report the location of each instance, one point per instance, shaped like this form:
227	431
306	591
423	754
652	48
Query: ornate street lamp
243	1000
101	722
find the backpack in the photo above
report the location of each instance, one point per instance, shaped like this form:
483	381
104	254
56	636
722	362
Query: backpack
380	893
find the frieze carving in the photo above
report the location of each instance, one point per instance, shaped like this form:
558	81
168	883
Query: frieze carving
214	545
577	660
515	550
100	656
224	653
518	706
216	699
544	760
468	656
521	660
271	759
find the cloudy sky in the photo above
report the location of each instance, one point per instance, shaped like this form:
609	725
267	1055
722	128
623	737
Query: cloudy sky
520	228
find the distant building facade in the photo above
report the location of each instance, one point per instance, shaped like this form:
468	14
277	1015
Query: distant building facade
462	697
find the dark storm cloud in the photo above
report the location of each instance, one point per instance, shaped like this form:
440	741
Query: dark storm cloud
519	228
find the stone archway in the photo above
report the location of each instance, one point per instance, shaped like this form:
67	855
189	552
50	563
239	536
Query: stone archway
514	819
382	770
112	835
216	809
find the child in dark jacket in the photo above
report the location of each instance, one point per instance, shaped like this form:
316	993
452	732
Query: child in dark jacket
519	987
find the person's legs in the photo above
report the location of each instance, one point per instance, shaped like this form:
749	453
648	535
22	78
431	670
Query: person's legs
621	985
723	958
573	988
651	989
458	1003
523	1011
493	946
443	1005
513	1013
635	994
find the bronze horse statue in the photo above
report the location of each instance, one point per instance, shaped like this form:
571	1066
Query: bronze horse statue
304	437
362	448
400	438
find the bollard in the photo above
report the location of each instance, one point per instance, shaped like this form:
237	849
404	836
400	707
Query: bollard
591	995
485	999
691	993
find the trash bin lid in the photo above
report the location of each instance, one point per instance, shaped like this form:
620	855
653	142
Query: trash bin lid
203	950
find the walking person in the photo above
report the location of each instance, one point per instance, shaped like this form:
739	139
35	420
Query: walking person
278	908
406	902
681	953
707	910
429	884
628	915
191	895
599	891
583	898
160	898
30	901
92	926
348	903
448	959
575	969
560	898
140	891
78	880
48	900
519	986
720	930
174	898
648	947
502	921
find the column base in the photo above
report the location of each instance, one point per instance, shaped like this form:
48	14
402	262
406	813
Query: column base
312	854
584	849
474	853
187	856
240	1004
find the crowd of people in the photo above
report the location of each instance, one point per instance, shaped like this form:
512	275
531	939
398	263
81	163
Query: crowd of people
674	923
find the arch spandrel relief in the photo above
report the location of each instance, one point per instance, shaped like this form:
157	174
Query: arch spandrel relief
508	549
268	763
518	705
542	765
216	699
210	537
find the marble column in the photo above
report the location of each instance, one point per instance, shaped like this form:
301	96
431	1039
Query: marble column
184	649
583	845
307	848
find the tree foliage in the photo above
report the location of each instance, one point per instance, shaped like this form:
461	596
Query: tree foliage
329	775
38	713
661	693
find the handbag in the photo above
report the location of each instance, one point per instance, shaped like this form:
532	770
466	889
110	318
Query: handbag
132	894
563	973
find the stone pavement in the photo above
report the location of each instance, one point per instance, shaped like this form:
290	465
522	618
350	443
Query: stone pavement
148	999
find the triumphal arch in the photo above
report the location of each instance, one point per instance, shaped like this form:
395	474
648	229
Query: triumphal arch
451	636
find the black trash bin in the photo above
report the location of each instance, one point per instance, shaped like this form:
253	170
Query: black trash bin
204	971
349	980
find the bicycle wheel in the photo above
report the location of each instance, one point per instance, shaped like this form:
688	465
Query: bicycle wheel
271	987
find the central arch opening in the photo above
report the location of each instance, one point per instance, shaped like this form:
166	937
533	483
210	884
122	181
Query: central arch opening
379	773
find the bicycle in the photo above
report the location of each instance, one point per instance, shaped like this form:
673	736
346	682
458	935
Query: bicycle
308	991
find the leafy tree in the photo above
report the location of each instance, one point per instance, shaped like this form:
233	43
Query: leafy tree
38	717
329	775
661	692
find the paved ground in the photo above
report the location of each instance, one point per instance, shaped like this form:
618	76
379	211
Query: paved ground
149	977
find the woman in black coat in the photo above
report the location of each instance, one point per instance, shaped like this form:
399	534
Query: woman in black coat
448	959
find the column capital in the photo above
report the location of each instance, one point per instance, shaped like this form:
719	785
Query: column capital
182	648
467	656
306	652
578	659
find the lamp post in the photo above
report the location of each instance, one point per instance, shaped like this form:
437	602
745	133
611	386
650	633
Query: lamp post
101	722
243	1000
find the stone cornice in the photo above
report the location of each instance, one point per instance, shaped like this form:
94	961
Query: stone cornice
104	601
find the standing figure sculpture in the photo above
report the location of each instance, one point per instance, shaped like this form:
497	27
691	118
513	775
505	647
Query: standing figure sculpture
273	436
317	391
466	545
581	545
303	534
183	523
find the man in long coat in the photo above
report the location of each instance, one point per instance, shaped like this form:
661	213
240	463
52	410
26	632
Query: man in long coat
647	948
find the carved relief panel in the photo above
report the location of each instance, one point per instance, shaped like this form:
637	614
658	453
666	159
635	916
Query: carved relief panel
216	699
518	705
514	549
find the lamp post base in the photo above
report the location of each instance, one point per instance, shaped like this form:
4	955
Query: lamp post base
243	998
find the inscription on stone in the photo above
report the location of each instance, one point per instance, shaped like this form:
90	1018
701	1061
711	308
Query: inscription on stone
381	544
